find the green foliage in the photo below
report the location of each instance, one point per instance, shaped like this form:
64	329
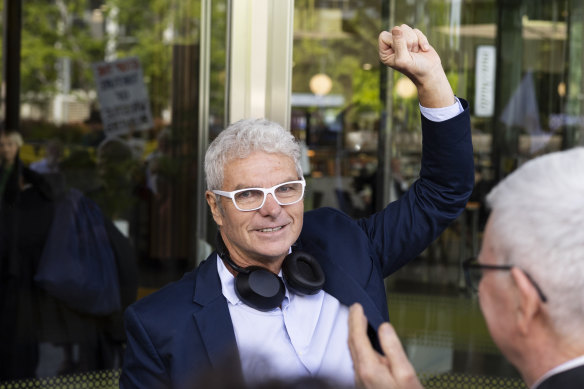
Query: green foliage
39	51
36	130
53	31
145	23
366	87
347	53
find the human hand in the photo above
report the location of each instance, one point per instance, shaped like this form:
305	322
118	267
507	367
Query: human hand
407	50
373	370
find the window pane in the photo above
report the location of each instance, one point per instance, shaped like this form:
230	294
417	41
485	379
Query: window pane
109	110
336	101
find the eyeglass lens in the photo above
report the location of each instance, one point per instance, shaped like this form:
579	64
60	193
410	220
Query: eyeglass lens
286	193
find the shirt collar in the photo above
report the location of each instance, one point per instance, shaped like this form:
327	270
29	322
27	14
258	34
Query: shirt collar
572	363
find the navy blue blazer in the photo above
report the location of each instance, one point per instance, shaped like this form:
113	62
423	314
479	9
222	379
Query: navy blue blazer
177	333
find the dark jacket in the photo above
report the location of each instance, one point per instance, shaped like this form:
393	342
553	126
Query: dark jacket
569	379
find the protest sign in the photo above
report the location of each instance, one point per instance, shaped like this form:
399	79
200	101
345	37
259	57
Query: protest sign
123	98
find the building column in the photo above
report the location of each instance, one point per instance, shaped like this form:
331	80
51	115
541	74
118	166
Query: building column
260	60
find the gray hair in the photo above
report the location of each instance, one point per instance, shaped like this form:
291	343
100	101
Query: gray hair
537	222
15	137
243	138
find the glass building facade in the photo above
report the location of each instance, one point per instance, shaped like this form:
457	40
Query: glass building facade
126	96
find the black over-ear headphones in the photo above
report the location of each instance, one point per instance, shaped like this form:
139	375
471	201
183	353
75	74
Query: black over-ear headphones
263	290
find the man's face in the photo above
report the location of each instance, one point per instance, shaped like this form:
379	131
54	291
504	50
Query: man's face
8	149
497	296
263	236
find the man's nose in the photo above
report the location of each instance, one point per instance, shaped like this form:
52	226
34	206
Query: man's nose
271	206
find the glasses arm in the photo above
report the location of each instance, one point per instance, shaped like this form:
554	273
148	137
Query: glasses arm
542	296
468	264
224	194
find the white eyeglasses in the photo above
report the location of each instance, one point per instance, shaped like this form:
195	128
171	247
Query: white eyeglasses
250	199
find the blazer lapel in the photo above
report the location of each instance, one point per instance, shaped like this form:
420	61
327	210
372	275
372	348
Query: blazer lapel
348	292
212	318
344	287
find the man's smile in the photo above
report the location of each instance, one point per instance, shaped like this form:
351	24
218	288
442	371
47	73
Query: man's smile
272	229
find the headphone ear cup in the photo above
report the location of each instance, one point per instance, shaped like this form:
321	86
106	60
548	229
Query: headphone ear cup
303	273
259	288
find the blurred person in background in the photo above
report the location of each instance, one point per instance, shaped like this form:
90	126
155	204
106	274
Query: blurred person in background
40	334
10	144
117	168
400	184
26	212
50	163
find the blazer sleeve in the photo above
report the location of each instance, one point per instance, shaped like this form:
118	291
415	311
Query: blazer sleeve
143	366
407	226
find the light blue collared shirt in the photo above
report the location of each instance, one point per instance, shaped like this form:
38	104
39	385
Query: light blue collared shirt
307	336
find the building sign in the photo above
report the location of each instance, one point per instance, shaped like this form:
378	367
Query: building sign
123	98
485	81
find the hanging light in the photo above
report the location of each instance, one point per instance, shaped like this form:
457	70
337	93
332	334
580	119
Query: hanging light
320	84
562	89
405	88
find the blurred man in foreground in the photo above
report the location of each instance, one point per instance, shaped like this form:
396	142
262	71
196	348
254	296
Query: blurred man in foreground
529	275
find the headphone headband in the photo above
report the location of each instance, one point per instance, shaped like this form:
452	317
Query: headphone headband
224	254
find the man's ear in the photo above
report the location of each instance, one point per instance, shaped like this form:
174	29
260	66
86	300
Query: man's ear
216	210
529	302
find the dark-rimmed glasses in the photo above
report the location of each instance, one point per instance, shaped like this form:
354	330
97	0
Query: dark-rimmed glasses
250	199
473	272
